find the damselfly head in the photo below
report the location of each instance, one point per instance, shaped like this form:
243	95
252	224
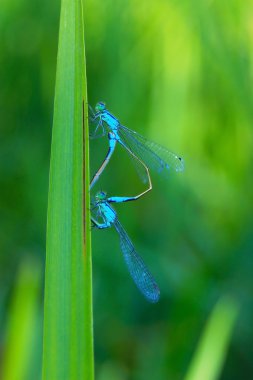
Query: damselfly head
100	107
100	196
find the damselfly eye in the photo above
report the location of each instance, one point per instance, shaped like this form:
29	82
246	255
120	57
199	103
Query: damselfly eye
100	107
100	196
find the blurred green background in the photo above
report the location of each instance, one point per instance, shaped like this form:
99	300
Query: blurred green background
180	74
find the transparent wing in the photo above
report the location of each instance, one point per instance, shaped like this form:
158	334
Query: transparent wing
155	156
139	167
138	270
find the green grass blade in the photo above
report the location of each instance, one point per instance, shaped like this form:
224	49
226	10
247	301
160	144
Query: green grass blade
22	328
68	338
210	355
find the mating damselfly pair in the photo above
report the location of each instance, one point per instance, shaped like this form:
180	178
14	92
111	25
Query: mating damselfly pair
147	155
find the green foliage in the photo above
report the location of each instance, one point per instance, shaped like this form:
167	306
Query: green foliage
211	351
68	351
180	74
22	327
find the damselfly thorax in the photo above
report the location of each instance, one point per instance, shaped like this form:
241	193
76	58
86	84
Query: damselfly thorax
111	121
107	212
